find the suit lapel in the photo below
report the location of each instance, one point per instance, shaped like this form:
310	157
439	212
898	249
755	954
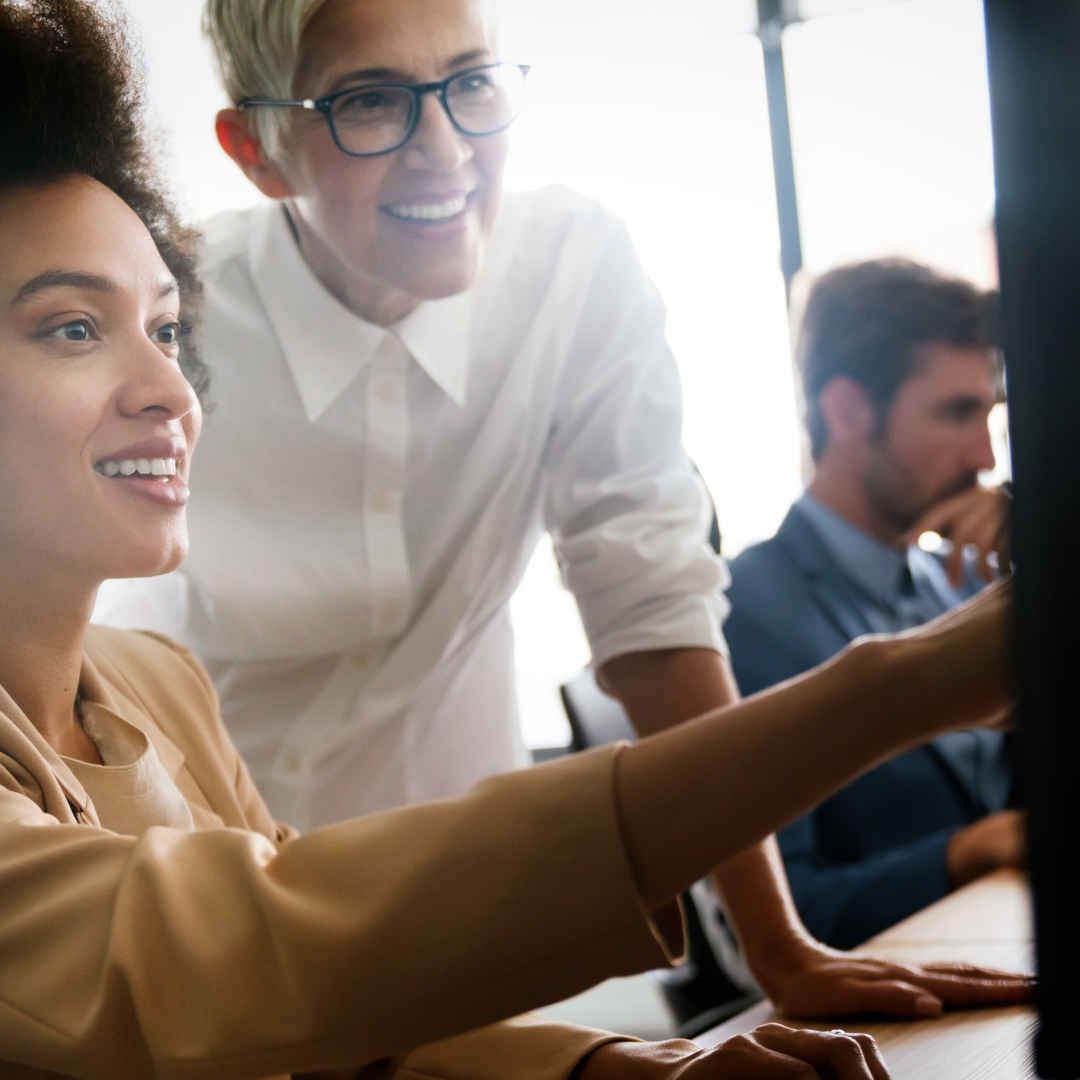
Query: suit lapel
843	605
832	593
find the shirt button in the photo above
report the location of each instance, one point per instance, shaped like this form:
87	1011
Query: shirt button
389	614
381	502
360	660
292	761
384	390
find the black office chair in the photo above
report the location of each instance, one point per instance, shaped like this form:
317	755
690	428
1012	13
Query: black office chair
702	992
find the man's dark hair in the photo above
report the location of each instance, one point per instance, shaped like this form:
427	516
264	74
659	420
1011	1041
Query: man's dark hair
71	94
868	321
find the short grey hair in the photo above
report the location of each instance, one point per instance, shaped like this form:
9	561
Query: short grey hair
256	44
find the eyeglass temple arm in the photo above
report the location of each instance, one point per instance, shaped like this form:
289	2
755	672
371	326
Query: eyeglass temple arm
306	103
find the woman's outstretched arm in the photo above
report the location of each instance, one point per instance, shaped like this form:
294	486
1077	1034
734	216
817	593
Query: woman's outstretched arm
697	794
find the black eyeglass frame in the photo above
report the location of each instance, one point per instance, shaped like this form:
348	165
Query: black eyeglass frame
325	106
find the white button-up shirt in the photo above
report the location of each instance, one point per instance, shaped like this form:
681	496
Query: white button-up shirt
365	501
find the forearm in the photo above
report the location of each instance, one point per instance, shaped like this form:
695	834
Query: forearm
753	888
661	689
711	788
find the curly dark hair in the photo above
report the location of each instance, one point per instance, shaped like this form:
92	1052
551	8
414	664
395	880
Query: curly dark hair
71	88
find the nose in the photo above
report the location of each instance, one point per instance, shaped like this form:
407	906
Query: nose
436	145
982	448
153	385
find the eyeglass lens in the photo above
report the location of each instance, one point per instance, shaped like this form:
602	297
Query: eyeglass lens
374	119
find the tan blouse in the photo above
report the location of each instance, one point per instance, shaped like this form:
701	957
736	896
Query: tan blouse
130	790
232	948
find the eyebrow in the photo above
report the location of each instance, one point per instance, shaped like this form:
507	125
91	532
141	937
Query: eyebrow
77	279
393	75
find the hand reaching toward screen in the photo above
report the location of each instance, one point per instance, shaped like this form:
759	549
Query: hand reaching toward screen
770	1052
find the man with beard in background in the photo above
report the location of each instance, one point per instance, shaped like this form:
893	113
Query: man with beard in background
900	370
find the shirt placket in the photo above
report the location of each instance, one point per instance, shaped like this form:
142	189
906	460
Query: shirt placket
386	439
384	489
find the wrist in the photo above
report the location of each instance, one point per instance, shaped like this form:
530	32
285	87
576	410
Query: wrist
914	677
627	1060
777	959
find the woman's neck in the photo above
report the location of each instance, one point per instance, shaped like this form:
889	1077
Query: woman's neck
43	620
374	301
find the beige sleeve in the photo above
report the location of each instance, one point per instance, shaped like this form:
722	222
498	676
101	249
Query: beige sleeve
217	955
525	1048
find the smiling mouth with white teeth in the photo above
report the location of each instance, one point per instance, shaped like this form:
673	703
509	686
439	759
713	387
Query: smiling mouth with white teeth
427	213
163	468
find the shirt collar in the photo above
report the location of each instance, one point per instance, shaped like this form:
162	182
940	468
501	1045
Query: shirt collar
437	337
875	568
326	345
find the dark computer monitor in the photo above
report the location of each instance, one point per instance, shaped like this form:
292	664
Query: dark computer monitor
1034	57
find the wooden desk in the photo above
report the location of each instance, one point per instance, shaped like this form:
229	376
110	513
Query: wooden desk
988	922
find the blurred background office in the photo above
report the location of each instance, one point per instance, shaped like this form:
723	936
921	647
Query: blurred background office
890	136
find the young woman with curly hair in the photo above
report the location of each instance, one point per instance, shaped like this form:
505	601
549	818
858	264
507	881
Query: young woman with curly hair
154	919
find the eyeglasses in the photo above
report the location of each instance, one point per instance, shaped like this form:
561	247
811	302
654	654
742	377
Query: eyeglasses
366	121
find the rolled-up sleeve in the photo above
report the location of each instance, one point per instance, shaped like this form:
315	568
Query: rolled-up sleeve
628	513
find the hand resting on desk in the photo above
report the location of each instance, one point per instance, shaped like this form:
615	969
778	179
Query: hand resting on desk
828	982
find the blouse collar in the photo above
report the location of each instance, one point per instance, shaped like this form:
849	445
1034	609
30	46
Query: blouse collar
326	345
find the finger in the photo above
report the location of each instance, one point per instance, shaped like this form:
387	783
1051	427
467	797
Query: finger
972	971
894	997
745	1057
967	991
987	532
921	973
956	983
976	518
872	1055
954	565
842	1054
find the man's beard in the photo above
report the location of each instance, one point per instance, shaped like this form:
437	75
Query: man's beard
900	502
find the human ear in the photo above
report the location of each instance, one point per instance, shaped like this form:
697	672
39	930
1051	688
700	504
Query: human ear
847	410
244	148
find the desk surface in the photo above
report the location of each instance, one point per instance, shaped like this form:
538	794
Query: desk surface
988	922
